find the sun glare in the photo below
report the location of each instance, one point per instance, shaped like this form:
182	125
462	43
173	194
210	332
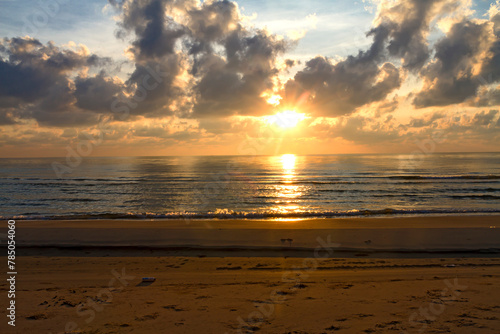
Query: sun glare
288	161
286	119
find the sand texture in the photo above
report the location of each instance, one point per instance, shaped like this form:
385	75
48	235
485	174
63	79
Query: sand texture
399	275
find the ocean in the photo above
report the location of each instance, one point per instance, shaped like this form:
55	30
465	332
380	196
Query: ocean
252	187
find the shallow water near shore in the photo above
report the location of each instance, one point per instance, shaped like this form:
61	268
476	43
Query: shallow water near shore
285	186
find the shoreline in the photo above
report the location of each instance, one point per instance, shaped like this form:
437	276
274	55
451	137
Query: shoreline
396	237
364	214
460	220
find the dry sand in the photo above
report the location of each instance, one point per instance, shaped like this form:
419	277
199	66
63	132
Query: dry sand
85	277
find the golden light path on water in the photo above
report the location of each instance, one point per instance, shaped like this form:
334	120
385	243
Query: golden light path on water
288	161
287	192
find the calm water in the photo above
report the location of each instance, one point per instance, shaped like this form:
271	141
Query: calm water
252	187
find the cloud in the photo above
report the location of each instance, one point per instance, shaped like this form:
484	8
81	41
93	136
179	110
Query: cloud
357	129
427	121
332	89
454	130
236	84
400	31
155	33
467	58
408	25
484	118
6	118
224	67
171	128
233	66
491	66
96	93
37	81
191	59
487	97
384	107
201	63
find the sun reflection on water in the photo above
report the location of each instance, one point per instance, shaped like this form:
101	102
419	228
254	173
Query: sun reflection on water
288	193
288	161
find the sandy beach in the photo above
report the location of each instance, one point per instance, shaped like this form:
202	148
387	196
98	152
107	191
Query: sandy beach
376	275
250	167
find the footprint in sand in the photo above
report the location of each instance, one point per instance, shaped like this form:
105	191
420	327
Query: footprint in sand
148	317
173	308
333	328
38	316
228	268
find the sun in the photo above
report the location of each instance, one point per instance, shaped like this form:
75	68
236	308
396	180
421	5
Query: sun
286	119
288	161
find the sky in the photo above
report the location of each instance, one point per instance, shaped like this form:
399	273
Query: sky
189	77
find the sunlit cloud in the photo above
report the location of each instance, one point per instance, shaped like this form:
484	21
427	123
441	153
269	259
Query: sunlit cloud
210	73
286	119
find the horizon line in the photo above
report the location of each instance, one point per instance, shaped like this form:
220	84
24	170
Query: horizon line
248	155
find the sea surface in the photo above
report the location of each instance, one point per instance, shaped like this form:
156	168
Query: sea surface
225	187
